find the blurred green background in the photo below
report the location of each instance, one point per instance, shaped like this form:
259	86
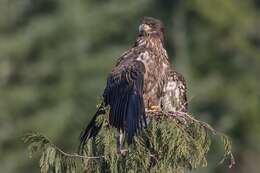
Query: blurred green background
55	56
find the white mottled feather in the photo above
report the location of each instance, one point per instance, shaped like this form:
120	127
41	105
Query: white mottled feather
174	93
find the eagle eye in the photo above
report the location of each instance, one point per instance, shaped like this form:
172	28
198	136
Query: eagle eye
151	24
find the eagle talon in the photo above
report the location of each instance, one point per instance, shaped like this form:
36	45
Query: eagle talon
154	108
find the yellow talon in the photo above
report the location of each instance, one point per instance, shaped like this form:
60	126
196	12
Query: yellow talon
154	108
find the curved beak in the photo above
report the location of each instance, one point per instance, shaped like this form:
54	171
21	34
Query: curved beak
144	28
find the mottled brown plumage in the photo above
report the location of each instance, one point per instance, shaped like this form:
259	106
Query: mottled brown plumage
149	50
141	79
140	71
174	96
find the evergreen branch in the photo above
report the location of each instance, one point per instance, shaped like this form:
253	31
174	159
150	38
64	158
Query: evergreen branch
172	142
78	156
52	157
27	138
188	118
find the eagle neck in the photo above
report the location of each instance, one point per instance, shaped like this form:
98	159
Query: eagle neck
150	42
153	44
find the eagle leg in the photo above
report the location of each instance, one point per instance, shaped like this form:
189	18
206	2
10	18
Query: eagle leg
119	143
153	105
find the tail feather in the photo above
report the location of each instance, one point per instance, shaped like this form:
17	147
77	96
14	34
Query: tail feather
131	117
91	130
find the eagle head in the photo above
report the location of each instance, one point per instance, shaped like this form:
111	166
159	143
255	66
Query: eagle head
151	26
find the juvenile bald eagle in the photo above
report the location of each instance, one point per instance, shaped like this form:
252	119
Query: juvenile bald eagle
174	96
141	80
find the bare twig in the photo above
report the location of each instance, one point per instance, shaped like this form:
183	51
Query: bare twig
77	155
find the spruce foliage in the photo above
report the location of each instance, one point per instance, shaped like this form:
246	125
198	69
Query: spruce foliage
172	142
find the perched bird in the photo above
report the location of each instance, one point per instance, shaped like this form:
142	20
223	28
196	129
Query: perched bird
174	97
141	80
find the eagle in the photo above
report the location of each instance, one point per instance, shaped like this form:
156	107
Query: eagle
142	80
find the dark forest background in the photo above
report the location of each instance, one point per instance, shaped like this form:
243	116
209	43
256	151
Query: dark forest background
55	56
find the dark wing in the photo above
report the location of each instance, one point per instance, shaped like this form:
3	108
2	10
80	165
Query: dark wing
91	129
124	95
174	93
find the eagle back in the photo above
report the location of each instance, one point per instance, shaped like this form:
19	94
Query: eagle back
151	53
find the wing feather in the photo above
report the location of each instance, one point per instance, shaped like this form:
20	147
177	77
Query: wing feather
124	95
